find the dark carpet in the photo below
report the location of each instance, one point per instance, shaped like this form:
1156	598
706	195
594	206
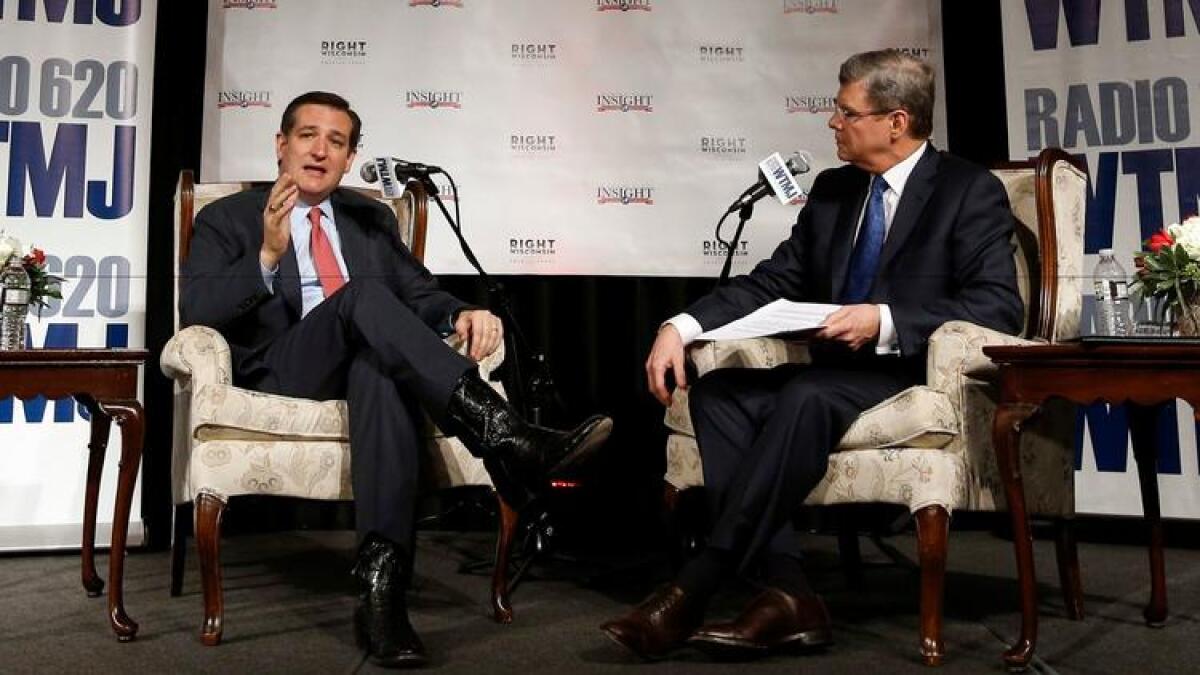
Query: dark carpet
288	601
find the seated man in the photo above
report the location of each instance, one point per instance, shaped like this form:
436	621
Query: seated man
318	298
905	238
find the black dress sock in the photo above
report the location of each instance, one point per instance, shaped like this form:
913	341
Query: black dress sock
786	573
703	575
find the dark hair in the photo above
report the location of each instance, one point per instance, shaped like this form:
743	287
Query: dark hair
324	98
895	81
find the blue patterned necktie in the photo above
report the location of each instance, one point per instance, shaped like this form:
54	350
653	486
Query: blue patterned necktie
864	262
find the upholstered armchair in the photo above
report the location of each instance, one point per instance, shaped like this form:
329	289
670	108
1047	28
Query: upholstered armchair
230	441
929	448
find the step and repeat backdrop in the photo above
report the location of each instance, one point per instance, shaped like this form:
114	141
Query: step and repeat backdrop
75	104
592	137
1113	82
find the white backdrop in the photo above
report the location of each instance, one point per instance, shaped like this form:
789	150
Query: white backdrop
586	136
1113	81
75	104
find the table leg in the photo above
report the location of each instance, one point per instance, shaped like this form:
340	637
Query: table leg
128	415
97	447
1145	453
1006	437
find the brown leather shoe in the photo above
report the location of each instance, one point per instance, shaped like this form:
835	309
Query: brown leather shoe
773	621
661	623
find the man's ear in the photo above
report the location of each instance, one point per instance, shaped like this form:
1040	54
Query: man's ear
899	121
350	161
280	141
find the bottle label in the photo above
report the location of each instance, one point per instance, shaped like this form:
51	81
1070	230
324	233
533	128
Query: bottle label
16	296
1111	290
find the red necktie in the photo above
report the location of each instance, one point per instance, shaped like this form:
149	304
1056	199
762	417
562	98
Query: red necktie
322	254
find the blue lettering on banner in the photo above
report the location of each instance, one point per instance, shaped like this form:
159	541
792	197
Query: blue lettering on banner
110	12
60	336
1083	20
64	171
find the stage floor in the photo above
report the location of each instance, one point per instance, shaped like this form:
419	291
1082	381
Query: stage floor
288	602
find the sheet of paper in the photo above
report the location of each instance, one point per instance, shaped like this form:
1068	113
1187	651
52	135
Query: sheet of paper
776	318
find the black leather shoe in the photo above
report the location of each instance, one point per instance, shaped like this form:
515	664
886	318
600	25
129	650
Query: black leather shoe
519	456
659	624
772	621
381	625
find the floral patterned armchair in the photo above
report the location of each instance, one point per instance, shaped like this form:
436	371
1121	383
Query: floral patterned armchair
230	441
929	447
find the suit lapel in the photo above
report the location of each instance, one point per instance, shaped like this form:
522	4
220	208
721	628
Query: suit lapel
842	241
917	191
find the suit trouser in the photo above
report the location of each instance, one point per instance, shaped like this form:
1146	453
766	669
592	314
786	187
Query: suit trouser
364	345
765	438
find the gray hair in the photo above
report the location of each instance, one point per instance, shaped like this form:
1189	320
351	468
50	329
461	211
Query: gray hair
895	81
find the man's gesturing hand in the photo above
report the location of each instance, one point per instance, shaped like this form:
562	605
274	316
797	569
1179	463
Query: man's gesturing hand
481	330
277	223
666	354
852	325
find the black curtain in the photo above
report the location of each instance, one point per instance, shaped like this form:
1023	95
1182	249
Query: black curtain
593	331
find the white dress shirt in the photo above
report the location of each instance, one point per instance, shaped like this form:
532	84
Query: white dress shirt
896	178
311	293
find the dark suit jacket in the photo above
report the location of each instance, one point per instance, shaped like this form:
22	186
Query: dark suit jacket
947	254
222	284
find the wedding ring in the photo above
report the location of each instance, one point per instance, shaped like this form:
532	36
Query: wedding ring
272	208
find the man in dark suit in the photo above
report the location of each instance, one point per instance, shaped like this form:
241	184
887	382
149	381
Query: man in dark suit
318	298
904	238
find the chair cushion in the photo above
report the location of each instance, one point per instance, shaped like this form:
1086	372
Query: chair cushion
912	477
225	412
917	417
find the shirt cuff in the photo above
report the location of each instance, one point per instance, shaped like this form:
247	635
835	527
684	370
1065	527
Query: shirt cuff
687	326
268	276
887	333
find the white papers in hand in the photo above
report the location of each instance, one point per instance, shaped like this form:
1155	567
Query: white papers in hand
777	318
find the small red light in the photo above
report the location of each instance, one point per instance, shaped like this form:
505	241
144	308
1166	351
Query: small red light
564	484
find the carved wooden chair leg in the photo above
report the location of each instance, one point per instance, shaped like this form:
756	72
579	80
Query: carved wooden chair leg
933	529
506	531
209	509
183	517
1068	568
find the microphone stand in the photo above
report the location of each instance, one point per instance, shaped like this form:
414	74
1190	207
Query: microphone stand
745	213
534	393
536	389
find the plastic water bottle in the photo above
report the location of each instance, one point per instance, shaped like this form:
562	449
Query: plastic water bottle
1111	285
14	306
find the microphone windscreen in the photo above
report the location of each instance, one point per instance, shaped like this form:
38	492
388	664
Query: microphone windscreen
368	172
800	162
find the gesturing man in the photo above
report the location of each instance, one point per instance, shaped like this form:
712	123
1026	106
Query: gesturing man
904	238
318	298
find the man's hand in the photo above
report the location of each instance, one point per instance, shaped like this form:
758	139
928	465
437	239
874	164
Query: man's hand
852	325
480	330
277	223
666	354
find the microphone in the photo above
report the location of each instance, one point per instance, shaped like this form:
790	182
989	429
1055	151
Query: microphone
776	175
390	171
370	170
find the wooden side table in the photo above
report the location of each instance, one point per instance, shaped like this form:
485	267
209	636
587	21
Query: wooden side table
1144	374
105	381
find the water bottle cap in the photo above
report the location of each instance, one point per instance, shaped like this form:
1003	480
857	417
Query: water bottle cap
1105	251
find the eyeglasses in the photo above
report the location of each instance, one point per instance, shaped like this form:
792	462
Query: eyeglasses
853	115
